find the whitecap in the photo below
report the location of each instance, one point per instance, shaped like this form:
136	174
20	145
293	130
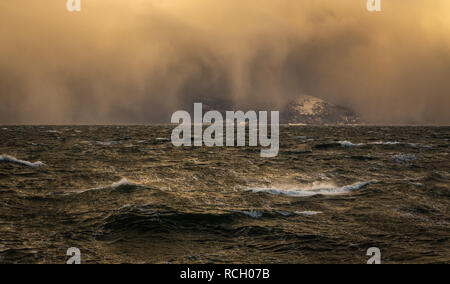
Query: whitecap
315	189
389	143
406	158
350	144
110	143
10	159
54	131
380	143
120	184
308	213
123	182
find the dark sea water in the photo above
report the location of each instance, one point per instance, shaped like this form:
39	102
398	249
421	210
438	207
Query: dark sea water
126	195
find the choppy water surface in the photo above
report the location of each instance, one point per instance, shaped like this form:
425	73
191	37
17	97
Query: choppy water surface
126	195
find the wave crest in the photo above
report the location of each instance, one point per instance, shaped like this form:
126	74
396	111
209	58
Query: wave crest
315	189
11	159
123	184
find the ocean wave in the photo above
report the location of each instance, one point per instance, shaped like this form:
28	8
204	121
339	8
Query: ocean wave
306	138
315	189
163	219
11	159
308	213
381	143
389	143
110	143
350	144
283	213
406	158
122	184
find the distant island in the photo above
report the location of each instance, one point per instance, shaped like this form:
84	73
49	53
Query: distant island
303	110
310	110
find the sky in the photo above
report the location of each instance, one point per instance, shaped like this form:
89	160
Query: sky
138	61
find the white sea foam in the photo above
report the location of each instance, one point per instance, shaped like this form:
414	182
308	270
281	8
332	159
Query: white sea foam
315	189
10	159
350	144
385	143
127	206
122	183
308	213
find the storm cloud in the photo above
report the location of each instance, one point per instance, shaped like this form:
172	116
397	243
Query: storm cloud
138	61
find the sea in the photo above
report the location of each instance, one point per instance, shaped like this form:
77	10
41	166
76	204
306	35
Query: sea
125	194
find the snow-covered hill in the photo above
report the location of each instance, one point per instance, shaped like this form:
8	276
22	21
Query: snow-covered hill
311	110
